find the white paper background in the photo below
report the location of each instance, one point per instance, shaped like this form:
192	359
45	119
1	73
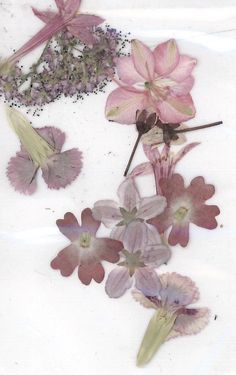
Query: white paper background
50	325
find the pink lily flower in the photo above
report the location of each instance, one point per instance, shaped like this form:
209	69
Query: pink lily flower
68	17
158	81
162	164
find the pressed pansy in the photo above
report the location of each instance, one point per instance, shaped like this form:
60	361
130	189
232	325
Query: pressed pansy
161	163
173	317
159	81
40	149
138	262
185	206
128	217
86	251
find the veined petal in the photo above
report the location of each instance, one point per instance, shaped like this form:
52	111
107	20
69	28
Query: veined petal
184	68
122	105
86	21
166	57
108	249
72	6
147	281
91	271
66	260
118	282
118	233
62	169
156	255
45	16
143	59
108	212
60	5
152	153
142	169
183	87
128	194
151	206
135	236
126	71
176	109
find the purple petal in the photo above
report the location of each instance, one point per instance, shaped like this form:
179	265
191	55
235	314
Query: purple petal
54	136
190	322
128	194
91	271
183	152
179	234
147	281
72	6
143	300
118	282
107	211
150	207
45	16
118	233
135	236
142	169
22	172
88	222
86	20
107	249
156	255
60	5
61	169
66	260
69	226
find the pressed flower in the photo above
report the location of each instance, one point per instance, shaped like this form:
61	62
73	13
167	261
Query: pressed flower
172	317
138	263
40	149
185	206
86	251
162	164
159	81
130	214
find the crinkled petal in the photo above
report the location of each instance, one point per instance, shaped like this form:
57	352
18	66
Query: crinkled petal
88	222
126	71
143	59
91	271
142	169
176	109
62	169
183	69
204	216
150	207
179	234
122	105
69	226
166	57
118	282
147	281
199	190
108	249
66	260
143	300
178	290
22	172
54	136
135	236
184	87
128	194
190	322
108	212
45	16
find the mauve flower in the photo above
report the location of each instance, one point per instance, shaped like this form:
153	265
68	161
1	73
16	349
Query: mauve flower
138	263
162	164
41	148
185	206
86	251
159	81
130	214
173	318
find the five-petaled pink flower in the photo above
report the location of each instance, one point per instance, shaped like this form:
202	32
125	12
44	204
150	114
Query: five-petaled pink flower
173	318
130	214
138	263
86	251
185	206
159	81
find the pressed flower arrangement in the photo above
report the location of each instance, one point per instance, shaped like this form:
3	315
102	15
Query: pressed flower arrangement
153	94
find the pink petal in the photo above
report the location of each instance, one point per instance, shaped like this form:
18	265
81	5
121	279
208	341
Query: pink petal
60	5
88	222
118	282
199	190
128	194
173	187
54	136
162	222
152	153
176	109
72	6
122	105
183	88
66	260
180	154
108	249
179	235
135	236
183	69
143	300
108	212
156	255
190	322
143	59
147	281
69	226
204	216
22	172
142	169
91	271
86	21
178	290
61	169
150	207
45	16
84	35
118	233
126	71
166	57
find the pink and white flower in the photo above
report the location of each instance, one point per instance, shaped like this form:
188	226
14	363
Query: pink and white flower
159	81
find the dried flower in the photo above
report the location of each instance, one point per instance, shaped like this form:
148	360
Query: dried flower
86	251
138	263
130	215
159	81
40	148
173	318
185	206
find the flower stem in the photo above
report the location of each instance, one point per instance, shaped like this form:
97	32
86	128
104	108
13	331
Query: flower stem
198	127
132	153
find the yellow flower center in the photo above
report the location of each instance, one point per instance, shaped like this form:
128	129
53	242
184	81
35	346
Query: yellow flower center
85	239
181	213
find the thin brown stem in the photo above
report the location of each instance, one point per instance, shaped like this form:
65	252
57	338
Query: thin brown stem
198	127
132	153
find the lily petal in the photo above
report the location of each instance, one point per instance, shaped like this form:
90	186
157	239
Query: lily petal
60	5
108	212
184	68
86	21
91	271
166	57
45	16
147	281
66	260
176	109
126	71
118	282
72	6
183	88
128	194
150	207
143	59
